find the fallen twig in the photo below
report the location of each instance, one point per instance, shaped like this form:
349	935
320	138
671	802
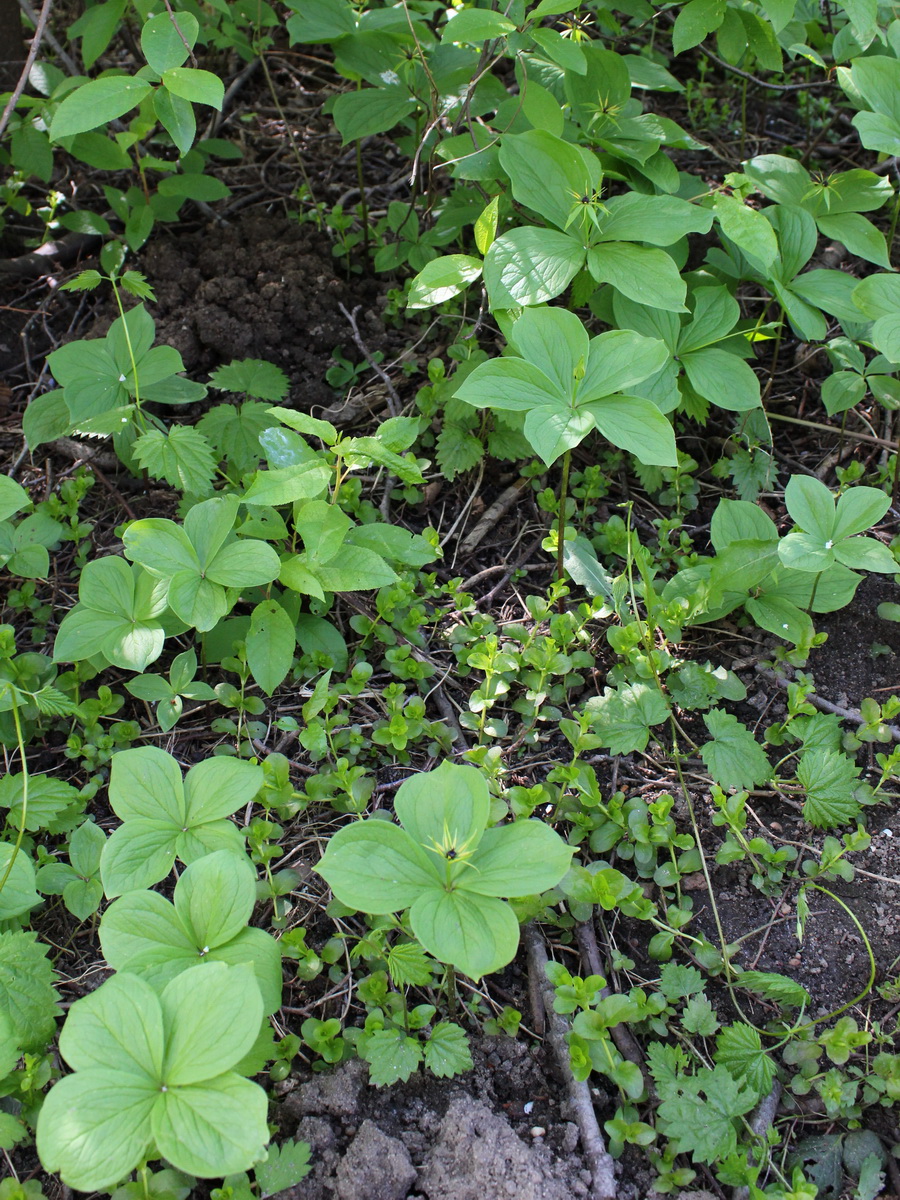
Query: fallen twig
625	1041
394	402
603	1186
492	515
853	715
760	1120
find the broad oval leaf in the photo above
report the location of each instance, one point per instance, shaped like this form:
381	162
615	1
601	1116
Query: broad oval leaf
97	102
476	934
376	867
446	807
531	266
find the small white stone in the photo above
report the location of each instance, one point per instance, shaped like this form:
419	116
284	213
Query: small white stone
528	1107
537	1131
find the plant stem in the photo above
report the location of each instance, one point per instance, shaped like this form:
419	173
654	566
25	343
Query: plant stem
561	522
450	981
363	203
20	742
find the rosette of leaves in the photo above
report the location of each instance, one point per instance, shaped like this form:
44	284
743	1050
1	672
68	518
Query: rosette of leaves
169	694
447	867
836	204
118	615
207	922
704	365
203	561
773	247
24	546
829	529
165	817
153	1078
78	880
567	384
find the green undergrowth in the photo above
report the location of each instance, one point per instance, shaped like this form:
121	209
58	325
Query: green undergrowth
290	656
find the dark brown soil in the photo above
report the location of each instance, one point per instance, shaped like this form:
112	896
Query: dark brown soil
263	287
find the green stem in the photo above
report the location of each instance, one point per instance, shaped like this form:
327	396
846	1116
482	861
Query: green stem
363	203
137	390
20	741
450	980
561	522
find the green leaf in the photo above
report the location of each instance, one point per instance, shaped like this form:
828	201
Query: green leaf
722	378
252	377
447	1051
476	25
811	505
182	456
734	758
856	233
637	425
477	934
372	110
168	38
214	1128
530	266
779	988
739	1048
442	279
27	995
548	174
97	102
94	1127
581	564
748	229
46	418
642	273
284	485
695	20
211	1016
374	867
164	817
283	1167
13	497
392	1056
320	20
622	717
700	1112
517	860
270	644
19	894
829	779
448	806
200	87
659	220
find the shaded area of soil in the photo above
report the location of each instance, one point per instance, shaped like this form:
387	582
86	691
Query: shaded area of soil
497	1131
263	287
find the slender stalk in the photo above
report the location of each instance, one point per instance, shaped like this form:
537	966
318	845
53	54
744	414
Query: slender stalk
363	203
561	522
20	742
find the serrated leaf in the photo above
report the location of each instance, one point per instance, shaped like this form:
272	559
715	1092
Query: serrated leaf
739	1048
283	1167
447	1051
734	758
775	987
829	778
700	1112
392	1057
27	995
252	376
182	457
